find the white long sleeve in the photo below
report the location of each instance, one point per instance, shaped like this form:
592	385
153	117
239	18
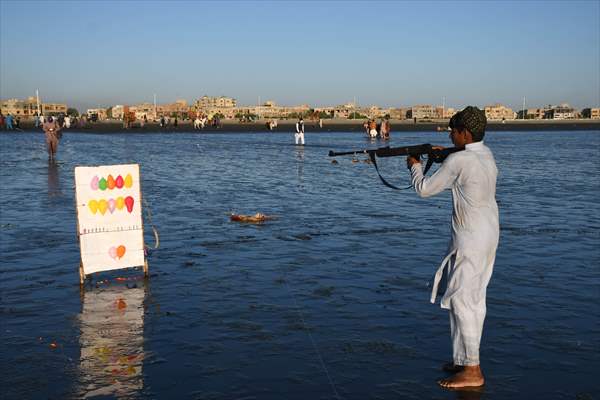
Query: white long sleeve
443	179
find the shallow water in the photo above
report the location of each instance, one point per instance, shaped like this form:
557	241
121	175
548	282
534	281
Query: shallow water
329	300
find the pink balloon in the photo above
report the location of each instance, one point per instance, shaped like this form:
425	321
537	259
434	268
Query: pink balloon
112	252
111	205
94	183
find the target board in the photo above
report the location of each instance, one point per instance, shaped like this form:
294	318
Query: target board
109	218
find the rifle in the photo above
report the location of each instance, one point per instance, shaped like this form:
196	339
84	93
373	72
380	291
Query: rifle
433	156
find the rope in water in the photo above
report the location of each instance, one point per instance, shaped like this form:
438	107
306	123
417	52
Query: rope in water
149	218
312	340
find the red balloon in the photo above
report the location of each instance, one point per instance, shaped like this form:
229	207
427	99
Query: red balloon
129	203
119	181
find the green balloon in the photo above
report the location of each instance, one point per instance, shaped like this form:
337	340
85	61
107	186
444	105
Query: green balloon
102	184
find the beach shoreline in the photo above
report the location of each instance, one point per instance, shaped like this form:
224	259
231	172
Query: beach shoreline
338	125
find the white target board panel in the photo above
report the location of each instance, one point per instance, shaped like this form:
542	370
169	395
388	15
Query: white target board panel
109	217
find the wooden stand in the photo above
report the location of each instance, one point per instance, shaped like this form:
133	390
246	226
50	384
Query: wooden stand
145	267
81	274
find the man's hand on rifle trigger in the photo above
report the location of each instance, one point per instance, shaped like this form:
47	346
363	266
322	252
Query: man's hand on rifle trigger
410	160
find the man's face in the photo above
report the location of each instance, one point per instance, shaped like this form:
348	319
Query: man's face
458	138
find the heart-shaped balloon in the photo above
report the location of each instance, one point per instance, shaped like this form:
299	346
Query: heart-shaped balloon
120	203
120	251
94	183
129	203
128	181
119	182
111	205
112	252
110	182
102	184
102	206
93	205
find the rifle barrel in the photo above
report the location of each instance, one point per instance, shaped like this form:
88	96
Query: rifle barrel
345	153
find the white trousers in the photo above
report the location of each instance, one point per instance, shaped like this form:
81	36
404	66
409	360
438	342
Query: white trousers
466	327
299	138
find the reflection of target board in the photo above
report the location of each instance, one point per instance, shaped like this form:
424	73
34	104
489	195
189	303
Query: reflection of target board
109	218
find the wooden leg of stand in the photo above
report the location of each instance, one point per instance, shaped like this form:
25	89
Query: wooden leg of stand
146	268
81	274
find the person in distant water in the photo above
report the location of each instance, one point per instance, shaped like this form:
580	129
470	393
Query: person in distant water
1	121
53	134
18	123
372	128
384	130
300	132
471	175
175	122
320	123
162	121
36	120
68	121
8	121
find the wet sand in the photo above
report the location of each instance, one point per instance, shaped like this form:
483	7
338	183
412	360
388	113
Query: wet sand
340	125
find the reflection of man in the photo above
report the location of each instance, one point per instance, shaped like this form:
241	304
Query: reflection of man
52	131
300	132
471	175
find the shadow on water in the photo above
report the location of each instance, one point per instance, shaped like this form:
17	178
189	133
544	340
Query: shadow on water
111	323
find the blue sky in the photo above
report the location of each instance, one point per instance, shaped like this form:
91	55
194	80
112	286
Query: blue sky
388	53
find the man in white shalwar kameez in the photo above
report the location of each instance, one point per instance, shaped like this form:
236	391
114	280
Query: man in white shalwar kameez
471	175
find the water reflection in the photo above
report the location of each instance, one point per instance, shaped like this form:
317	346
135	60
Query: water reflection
112	341
469	393
300	163
53	179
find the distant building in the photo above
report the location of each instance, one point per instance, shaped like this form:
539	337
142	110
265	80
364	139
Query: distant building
20	108
563	111
97	113
206	102
28	108
593	113
422	111
531	113
399	113
117	112
54	108
344	110
499	112
449	112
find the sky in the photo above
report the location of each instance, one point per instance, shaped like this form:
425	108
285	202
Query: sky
386	53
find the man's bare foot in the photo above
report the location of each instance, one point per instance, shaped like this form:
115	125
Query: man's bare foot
451	367
470	376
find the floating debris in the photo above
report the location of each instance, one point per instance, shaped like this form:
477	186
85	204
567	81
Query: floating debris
256	218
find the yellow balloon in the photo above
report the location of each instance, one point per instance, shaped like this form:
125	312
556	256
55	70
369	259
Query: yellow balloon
120	203
102	206
128	181
93	205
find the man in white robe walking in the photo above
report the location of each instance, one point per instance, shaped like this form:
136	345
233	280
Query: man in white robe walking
471	175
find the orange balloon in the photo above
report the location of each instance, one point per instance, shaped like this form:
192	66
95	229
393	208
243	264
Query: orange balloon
102	206
120	251
93	205
128	181
110	182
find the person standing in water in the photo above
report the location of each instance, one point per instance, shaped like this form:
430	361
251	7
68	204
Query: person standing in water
52	132
300	132
471	175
